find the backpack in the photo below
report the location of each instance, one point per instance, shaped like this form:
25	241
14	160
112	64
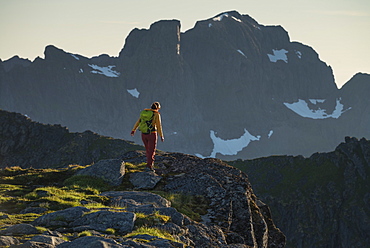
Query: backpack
146	121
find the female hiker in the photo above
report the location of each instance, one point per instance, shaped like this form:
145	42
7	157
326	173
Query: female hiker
149	124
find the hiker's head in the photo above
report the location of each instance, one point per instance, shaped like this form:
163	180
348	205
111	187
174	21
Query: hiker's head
156	105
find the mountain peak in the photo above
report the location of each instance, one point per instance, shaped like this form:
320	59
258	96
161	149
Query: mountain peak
52	52
15	61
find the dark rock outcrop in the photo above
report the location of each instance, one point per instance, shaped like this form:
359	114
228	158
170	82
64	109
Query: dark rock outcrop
246	89
320	201
109	170
19	229
7	241
91	241
26	143
144	180
226	231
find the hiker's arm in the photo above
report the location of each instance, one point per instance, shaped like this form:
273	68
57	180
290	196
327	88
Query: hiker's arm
158	124
135	127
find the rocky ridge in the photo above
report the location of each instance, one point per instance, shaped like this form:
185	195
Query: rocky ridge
234	216
26	143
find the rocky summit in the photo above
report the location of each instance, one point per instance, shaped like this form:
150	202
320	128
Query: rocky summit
79	205
316	201
229	87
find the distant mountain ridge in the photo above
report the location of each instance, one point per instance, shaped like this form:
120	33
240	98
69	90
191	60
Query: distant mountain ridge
320	201
229	88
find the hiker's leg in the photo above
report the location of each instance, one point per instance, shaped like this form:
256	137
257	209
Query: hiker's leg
145	139
150	151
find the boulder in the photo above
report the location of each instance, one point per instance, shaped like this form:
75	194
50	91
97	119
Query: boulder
123	222
91	242
135	198
35	210
110	170
61	218
8	240
144	180
52	240
20	229
33	244
176	217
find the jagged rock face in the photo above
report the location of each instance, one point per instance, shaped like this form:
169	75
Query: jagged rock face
229	88
234	211
321	201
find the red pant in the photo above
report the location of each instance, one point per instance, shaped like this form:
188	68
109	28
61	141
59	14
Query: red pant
150	143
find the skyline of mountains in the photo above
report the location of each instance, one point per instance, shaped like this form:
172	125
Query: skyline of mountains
229	88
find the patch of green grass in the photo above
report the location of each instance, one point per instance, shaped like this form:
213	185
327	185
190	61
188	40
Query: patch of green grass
85	233
87	183
18	218
30	176
152	232
191	206
11	197
60	198
131	168
151	219
41	229
110	231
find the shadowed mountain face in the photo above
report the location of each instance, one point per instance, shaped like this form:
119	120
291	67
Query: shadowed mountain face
229	88
320	201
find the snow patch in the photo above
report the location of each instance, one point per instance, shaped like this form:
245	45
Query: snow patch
232	146
106	71
278	55
134	92
299	54
220	17
256	26
316	101
240	51
236	19
200	155
301	108
270	133
74	56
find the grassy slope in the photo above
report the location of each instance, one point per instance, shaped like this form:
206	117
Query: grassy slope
56	189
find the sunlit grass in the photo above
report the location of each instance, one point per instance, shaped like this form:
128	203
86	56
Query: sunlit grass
150	219
191	206
85	233
152	232
13	219
84	182
60	198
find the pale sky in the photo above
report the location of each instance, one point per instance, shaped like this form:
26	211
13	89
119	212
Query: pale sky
338	30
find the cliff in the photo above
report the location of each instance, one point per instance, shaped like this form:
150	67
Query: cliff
320	201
